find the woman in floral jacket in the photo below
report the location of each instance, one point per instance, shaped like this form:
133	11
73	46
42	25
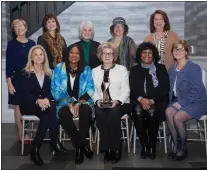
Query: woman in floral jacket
72	87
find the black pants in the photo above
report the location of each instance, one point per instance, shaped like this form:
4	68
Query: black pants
47	120
146	124
78	137
109	125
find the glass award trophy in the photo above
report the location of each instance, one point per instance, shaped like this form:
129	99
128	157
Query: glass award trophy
106	102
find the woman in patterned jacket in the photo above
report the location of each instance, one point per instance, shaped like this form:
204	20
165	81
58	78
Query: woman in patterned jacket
188	98
72	87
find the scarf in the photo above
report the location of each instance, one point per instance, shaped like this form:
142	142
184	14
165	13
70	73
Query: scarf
152	72
55	46
160	44
86	49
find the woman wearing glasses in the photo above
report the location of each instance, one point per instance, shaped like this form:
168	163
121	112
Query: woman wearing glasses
149	88
188	98
111	87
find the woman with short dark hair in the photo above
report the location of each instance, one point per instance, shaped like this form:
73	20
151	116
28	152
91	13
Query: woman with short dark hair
149	88
125	44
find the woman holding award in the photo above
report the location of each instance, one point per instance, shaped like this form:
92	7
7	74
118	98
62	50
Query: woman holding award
111	95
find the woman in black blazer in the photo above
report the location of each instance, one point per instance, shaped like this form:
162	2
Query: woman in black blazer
35	99
149	88
89	46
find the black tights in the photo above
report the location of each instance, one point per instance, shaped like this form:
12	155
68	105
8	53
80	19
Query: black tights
175	121
146	121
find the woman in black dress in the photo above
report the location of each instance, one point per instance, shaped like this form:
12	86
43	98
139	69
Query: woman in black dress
16	59
149	88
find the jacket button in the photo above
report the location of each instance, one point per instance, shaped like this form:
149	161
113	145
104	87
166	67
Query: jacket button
13	71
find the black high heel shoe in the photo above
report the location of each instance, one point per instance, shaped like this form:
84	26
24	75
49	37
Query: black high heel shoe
116	156
152	154
180	158
144	153
107	156
79	156
59	149
34	156
87	152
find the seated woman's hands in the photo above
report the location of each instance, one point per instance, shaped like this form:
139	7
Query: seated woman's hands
43	103
146	103
74	109
177	105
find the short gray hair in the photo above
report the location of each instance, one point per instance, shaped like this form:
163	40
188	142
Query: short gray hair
82	24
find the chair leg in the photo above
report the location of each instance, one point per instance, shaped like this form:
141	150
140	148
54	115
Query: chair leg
134	141
23	124
122	130
127	133
131	133
98	140
60	135
90	138
165	136
205	135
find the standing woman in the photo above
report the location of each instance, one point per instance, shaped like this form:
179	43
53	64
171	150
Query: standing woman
72	88
188	98
149	88
89	46
16	59
162	37
53	43
125	44
109	119
35	99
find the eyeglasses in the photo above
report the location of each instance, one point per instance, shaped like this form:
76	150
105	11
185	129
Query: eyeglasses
147	52
109	54
178	50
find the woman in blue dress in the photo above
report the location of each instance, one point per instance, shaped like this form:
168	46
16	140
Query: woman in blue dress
16	59
188	98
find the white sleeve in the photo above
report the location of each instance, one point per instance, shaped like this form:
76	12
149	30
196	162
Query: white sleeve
125	91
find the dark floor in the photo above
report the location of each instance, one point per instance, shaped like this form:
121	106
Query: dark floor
11	158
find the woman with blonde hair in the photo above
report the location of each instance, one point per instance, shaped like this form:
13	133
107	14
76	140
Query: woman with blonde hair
16	59
35	99
112	88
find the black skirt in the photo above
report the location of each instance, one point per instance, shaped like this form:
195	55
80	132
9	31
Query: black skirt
16	81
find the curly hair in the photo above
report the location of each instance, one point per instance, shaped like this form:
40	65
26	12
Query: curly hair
165	17
145	46
46	18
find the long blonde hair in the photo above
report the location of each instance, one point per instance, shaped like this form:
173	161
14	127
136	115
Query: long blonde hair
30	65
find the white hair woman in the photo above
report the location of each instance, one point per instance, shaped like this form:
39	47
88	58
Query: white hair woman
110	80
35	99
89	46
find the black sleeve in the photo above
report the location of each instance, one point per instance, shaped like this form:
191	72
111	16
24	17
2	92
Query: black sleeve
85	97
133	91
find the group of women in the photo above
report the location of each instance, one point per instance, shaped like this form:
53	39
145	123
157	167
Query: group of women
154	81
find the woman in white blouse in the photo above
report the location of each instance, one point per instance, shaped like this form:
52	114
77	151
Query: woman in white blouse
115	77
